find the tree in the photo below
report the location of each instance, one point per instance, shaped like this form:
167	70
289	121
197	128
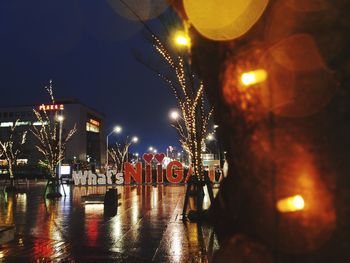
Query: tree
188	90
119	152
11	147
51	142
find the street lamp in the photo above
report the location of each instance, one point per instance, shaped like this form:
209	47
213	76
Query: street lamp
150	148
210	137
174	115
117	129
134	139
60	119
182	39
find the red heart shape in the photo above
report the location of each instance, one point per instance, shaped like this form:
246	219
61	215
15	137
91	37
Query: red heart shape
148	157
159	157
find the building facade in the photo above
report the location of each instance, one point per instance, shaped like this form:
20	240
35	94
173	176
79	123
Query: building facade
88	144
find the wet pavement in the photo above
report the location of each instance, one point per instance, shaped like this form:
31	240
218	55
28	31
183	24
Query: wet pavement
148	227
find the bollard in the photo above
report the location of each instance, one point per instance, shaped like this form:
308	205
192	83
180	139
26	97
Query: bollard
111	202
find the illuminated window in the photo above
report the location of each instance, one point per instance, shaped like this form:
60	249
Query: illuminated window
3	162
6	124
39	123
92	127
21	123
22	161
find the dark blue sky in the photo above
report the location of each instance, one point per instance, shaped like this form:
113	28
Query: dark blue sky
86	49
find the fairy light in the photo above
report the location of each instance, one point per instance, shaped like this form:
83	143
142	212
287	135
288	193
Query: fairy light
192	128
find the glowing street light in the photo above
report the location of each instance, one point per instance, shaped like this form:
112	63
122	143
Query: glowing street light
117	129
182	39
135	139
60	118
253	77
210	137
174	115
150	149
291	204
155	150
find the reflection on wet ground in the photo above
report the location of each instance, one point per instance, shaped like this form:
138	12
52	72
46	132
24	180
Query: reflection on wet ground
147	227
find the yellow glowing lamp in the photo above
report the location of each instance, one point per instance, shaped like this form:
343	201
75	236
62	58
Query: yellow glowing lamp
253	77
291	204
182	39
225	19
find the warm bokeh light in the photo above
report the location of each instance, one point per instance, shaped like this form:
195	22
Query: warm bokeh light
253	77
182	39
291	204
135	139
299	79
225	21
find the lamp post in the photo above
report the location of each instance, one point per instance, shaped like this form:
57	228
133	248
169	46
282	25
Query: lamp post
134	139
117	129
60	119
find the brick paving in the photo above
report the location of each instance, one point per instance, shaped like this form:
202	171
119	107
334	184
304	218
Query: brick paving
148	227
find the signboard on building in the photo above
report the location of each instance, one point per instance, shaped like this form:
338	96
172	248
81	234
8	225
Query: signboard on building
51	107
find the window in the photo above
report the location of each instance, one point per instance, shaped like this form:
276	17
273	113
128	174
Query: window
21	123
92	127
22	161
6	124
39	123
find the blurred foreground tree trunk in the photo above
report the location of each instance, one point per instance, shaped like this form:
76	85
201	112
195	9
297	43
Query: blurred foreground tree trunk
285	136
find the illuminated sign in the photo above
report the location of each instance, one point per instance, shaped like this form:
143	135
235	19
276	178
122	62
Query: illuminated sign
174	173
94	122
48	107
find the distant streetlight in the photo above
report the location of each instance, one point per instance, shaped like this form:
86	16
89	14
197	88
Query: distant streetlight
134	139
117	129
174	115
150	149
155	150
253	77
210	137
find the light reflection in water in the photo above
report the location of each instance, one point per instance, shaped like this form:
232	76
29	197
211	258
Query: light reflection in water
154	197
176	245
21	202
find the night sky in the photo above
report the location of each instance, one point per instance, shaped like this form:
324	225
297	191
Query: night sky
86	49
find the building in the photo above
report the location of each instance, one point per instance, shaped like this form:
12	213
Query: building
88	143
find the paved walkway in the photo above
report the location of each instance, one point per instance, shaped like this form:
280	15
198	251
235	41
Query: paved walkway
147	227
